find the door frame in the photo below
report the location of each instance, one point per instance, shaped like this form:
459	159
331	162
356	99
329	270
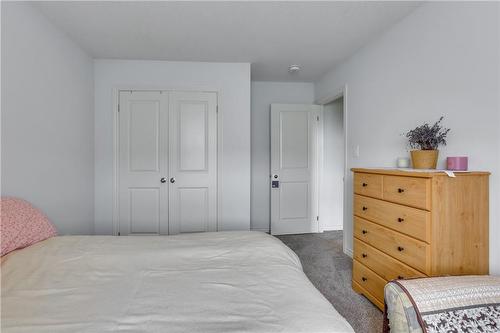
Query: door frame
341	91
116	145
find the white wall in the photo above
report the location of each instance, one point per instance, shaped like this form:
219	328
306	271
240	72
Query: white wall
331	187
263	94
441	60
47	119
231	80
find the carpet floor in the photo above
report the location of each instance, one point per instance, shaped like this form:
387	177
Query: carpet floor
329	269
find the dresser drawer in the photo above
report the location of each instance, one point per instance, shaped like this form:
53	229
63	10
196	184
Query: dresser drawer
382	264
406	249
415	192
368	184
410	221
367	279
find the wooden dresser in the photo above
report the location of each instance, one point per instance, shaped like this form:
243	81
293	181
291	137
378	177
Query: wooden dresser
410	224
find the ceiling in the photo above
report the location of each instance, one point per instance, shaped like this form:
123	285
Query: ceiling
270	35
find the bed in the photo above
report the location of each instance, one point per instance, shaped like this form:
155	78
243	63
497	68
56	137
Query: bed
207	282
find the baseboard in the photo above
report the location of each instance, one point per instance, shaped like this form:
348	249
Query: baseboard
348	252
260	229
331	228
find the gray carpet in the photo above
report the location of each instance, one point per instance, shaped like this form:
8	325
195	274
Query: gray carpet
329	269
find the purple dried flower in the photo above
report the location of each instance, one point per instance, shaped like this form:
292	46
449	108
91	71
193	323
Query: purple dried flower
427	137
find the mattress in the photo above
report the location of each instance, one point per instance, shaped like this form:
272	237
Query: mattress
207	282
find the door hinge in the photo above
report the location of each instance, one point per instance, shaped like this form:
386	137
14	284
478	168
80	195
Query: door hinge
317	118
217	109
118	107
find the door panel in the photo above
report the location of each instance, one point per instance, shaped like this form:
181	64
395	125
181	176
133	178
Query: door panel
144	135
193	143
193	220
294	142
143	199
294	200
144	210
294	127
193	162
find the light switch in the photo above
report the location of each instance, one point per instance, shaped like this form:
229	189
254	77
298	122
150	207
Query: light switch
356	151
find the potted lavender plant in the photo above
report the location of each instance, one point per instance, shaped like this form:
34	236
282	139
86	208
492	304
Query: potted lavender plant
425	140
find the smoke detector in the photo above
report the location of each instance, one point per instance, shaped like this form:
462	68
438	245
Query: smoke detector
293	69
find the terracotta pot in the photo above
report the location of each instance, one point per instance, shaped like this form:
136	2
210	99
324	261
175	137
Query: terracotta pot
424	159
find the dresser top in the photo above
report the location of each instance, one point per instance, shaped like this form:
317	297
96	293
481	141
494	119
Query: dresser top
418	172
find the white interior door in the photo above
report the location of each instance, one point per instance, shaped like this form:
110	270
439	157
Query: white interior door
193	162
143	198
294	149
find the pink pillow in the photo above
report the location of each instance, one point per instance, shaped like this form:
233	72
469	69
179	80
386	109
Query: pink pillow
22	225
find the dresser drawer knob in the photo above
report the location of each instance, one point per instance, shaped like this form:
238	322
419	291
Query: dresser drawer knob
400	277
400	219
364	255
400	248
365	208
364	184
364	232
401	190
364	279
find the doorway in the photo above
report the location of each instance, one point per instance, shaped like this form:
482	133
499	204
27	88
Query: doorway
332	166
307	167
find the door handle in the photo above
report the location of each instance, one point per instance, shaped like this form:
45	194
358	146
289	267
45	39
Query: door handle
172	180
163	180
275	183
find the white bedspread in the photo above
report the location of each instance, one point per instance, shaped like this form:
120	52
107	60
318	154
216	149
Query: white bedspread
211	282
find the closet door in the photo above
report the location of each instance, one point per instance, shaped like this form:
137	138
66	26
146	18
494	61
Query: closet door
193	162
143	186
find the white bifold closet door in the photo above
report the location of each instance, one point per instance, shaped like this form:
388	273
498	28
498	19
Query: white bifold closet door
167	162
192	160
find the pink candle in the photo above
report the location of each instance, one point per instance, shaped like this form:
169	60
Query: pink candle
457	163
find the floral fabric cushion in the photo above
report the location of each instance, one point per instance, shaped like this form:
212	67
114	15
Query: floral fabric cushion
22	225
467	303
